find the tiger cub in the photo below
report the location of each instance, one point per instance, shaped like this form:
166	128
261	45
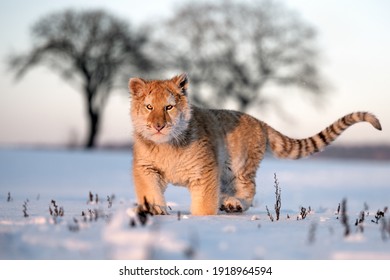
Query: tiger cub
214	153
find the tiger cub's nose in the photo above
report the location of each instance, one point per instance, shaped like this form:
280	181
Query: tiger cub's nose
158	126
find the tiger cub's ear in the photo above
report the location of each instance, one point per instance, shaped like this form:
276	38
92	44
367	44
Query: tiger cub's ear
136	86
182	82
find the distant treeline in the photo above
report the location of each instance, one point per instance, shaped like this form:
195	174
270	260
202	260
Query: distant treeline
372	152
365	152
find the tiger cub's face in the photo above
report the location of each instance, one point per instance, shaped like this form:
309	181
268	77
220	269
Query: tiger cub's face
159	109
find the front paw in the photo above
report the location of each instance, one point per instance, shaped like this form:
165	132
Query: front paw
151	209
231	208
232	205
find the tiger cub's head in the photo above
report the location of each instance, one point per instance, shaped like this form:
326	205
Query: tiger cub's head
159	108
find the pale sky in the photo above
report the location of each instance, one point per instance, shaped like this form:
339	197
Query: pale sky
353	36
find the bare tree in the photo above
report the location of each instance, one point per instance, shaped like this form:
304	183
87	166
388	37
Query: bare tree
235	50
87	48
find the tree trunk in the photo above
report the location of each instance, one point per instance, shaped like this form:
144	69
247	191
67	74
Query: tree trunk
93	128
93	123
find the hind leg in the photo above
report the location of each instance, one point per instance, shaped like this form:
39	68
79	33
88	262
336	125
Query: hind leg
242	198
245	154
238	185
238	194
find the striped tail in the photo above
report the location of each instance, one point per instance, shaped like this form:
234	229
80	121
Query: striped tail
286	147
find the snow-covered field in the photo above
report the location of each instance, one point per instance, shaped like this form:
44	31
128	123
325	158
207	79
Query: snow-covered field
31	179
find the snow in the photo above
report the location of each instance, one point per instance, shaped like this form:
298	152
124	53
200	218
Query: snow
36	177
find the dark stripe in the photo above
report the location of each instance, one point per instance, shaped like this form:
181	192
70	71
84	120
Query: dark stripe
290	146
285	150
313	142
299	149
323	138
344	122
305	147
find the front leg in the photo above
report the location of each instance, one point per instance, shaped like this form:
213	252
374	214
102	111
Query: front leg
205	193
150	188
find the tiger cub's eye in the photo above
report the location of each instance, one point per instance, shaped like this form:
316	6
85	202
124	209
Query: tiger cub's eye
149	107
169	107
